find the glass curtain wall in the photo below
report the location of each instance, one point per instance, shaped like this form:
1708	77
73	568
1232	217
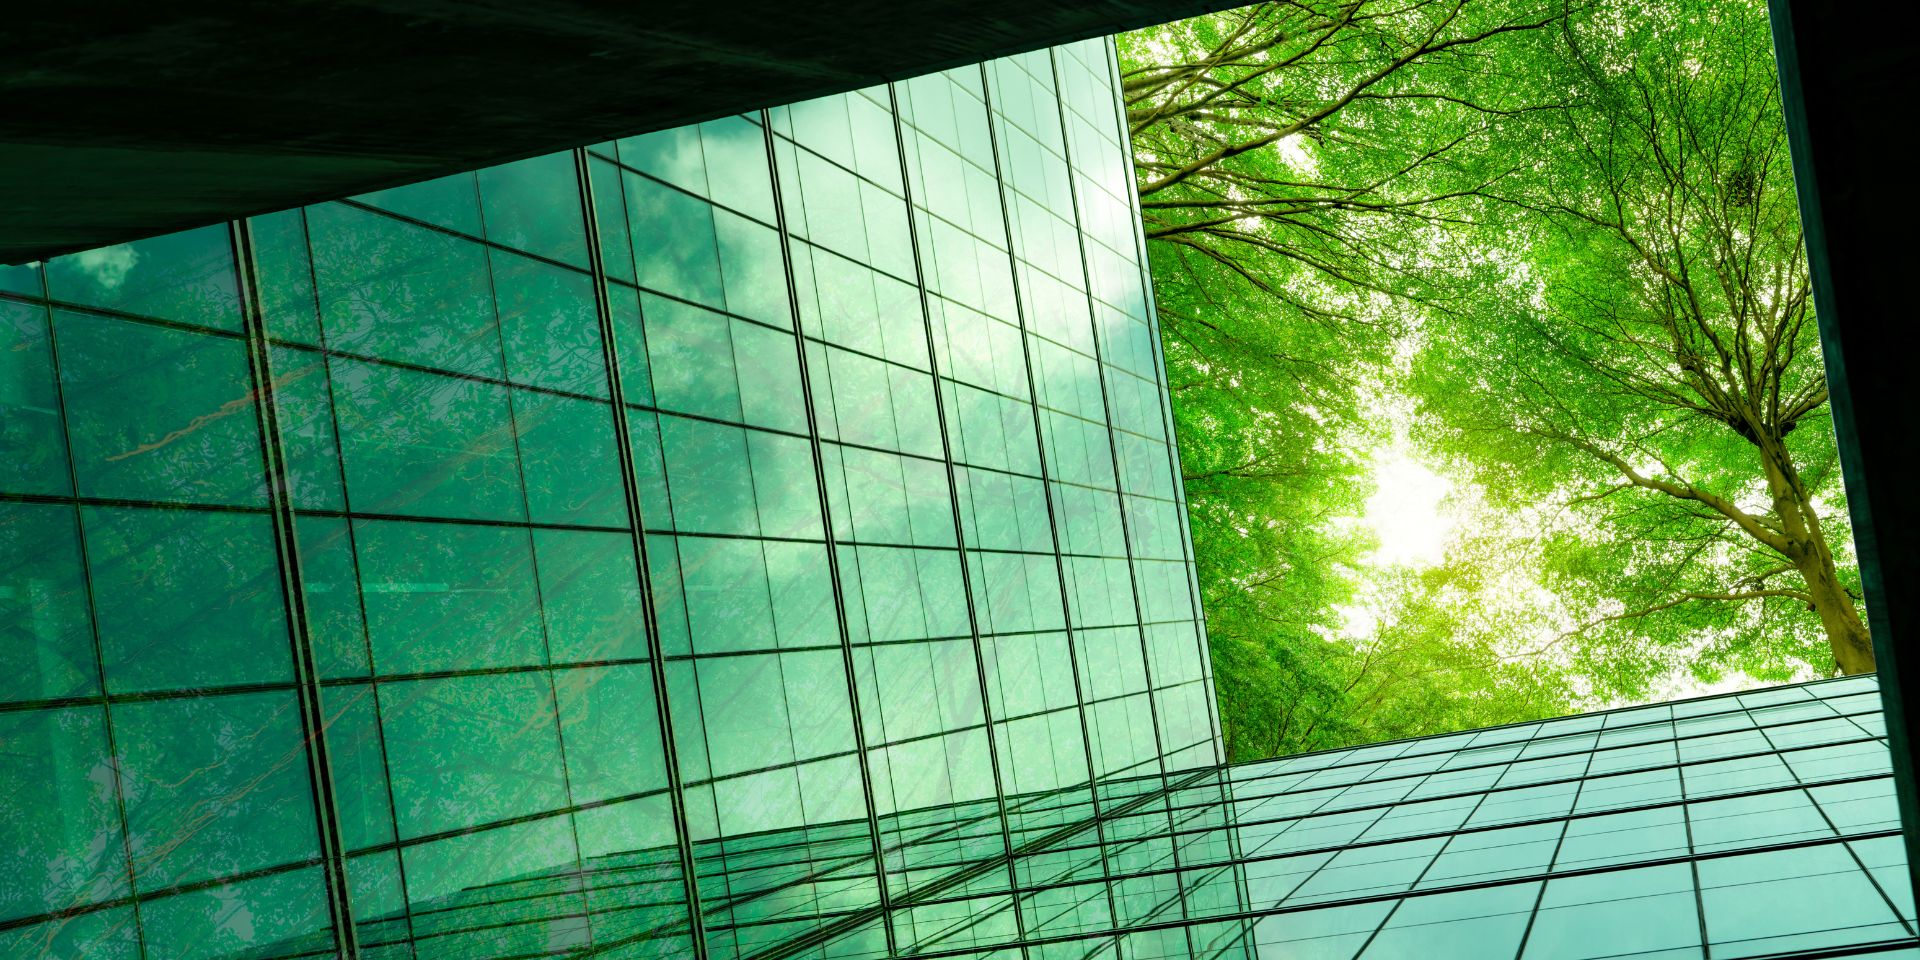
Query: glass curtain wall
691	545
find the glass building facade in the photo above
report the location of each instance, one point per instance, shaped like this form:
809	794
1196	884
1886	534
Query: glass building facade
753	541
641	549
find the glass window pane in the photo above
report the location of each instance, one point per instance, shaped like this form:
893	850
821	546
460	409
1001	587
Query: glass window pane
534	205
185	276
1640	913
1791	900
590	593
548	326
186	598
567	451
448	597
33	448
612	738
673	239
158	414
452	202
214	786
285	914
422	444
464	751
46	635
60	841
396	291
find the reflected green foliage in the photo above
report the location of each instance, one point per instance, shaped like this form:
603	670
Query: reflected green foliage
1555	250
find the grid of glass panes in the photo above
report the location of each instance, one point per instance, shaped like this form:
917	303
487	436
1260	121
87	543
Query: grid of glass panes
1742	826
324	596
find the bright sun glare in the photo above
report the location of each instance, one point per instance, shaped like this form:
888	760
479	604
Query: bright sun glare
1406	518
1404	511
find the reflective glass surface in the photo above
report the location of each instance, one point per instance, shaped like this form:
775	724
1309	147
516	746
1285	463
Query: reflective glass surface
689	545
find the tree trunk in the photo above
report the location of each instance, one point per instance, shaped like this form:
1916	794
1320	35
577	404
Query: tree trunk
1807	549
1852	647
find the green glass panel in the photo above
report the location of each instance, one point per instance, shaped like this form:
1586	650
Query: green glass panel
929	502
304	410
285	272
534	205
185	598
876	494
736	159
548	325
46	638
725	583
635	825
610	217
60	842
891	596
945	596
284	914
672	155
643	430
711	492
457	871
97	935
359	765
465	751
1752	821
673	238
590	593
690	352
158	414
400	292
669	605
612	738
33	448
182	276
23	279
784	485
1789	901
1639	913
1472	923
802	592
450	202
689	734
876	154
821	719
769	371
821	124
630	343
447	597
825	208
755	271
379	905
419	443
331	589
745	705
214	786
567	451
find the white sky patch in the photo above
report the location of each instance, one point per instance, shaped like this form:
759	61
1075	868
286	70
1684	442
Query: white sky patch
1408	516
1294	151
108	266
1405	511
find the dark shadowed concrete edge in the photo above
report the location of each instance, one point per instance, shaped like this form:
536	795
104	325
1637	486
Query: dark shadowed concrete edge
1842	66
131	119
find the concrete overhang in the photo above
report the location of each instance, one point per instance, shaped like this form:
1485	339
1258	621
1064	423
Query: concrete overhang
131	119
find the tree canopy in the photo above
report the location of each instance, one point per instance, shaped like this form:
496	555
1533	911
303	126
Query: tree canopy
1553	250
